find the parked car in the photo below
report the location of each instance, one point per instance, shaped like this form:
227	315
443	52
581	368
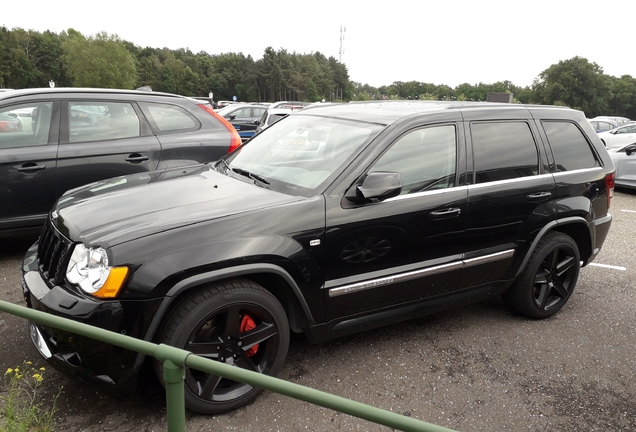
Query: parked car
289	104
602	125
619	137
52	140
223	103
9	122
620	121
244	117
271	116
624	158
334	220
206	99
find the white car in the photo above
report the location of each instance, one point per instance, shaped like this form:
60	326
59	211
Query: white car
619	137
619	120
624	159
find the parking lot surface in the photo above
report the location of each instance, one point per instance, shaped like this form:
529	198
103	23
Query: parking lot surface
476	368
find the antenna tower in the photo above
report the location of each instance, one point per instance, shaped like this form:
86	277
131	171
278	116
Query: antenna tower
343	30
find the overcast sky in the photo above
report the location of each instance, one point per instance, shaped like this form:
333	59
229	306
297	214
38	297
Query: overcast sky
440	42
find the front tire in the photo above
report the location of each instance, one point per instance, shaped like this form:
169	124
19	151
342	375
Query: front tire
238	323
547	282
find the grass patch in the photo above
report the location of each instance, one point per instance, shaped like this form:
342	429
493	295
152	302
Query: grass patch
20	407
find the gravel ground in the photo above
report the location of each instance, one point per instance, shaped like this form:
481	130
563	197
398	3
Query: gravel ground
478	368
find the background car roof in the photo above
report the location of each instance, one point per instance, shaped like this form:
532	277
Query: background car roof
79	90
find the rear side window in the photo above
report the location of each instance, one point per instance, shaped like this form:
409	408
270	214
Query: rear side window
101	121
503	151
570	148
274	118
169	118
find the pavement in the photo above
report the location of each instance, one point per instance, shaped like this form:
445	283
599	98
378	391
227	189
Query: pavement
477	368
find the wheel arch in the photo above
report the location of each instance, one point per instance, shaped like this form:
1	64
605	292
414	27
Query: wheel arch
575	227
271	277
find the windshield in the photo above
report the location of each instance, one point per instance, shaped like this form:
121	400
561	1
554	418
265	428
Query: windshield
301	154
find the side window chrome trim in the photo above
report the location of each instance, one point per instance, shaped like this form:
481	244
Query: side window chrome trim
416	274
426	193
508	181
582	170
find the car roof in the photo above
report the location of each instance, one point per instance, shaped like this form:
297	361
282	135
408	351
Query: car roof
281	110
387	112
79	90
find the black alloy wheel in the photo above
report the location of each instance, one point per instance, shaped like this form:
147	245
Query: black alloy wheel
238	323
549	278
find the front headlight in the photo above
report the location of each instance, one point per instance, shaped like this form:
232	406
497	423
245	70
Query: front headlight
88	268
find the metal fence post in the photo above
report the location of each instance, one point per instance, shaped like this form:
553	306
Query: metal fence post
173	376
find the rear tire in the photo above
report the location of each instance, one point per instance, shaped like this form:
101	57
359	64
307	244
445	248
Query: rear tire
238	323
547	282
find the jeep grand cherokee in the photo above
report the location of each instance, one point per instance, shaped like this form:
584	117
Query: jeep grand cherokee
335	220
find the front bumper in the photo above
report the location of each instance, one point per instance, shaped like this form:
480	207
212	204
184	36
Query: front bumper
101	364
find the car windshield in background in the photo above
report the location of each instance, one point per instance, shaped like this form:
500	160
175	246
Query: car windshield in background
299	154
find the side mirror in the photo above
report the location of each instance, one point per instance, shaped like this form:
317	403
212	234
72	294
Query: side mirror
376	186
630	149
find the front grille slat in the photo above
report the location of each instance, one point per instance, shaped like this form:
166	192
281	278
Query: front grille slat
53	254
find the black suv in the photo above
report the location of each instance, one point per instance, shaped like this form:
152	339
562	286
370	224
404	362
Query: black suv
337	219
58	139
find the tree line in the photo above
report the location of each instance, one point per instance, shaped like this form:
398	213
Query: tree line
31	59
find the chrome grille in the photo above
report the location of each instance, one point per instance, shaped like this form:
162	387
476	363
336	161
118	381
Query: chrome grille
53	253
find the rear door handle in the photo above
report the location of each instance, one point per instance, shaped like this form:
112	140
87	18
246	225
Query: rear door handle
445	214
540	196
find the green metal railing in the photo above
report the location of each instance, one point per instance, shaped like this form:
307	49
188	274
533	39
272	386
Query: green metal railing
175	361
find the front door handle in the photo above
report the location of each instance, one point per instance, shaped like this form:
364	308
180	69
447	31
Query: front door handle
136	158
30	167
445	213
538	197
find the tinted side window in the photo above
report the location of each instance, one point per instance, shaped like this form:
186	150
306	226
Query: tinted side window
569	146
503	150
101	121
241	113
169	118
425	159
25	125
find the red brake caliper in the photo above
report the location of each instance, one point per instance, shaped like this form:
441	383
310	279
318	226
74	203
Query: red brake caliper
247	324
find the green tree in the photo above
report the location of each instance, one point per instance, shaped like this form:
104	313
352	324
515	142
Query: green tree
99	61
48	55
576	83
22	72
623	97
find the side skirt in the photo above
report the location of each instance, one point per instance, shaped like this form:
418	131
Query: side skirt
383	317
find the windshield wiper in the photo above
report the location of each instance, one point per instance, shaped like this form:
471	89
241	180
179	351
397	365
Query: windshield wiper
250	175
221	164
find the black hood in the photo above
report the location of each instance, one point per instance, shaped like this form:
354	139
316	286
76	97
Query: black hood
121	209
